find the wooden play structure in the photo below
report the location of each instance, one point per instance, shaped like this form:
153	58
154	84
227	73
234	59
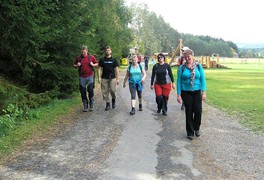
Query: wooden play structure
206	61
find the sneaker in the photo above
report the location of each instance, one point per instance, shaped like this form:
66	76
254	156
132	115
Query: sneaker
132	112
159	110
164	113
197	133
85	109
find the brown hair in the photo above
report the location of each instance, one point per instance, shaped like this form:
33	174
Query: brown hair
107	47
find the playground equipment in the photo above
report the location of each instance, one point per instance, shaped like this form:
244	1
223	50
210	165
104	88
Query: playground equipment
205	61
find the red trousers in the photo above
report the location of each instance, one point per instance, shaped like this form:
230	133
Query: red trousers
162	89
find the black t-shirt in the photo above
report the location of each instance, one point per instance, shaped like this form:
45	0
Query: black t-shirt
161	74
108	65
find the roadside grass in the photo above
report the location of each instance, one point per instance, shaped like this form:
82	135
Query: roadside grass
42	121
239	92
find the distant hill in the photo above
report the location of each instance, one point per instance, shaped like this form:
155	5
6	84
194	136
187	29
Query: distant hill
250	45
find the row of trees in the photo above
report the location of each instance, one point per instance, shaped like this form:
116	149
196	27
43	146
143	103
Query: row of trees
40	39
153	34
251	53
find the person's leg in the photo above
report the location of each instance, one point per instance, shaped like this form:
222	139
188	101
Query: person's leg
133	98
166	88
159	97
112	89
187	98
140	100
82	88
197	112
90	90
105	92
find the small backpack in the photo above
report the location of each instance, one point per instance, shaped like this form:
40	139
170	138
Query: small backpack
139	67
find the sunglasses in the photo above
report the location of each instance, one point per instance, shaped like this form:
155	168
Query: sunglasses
160	57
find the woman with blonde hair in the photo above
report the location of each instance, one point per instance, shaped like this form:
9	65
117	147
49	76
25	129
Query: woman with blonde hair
136	76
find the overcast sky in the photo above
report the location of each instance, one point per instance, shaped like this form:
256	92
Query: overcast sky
232	20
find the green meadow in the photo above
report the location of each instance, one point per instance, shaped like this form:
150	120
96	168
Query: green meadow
238	90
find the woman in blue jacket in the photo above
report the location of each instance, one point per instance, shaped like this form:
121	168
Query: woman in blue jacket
191	89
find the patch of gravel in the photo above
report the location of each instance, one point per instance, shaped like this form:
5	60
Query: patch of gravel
235	151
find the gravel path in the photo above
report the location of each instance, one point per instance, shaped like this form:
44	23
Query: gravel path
114	145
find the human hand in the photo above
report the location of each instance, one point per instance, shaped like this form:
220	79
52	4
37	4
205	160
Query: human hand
179	99
203	96
79	64
173	86
152	87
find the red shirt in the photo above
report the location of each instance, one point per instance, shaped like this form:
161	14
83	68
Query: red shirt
86	68
139	58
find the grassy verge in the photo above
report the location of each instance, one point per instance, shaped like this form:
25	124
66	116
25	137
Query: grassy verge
239	92
43	120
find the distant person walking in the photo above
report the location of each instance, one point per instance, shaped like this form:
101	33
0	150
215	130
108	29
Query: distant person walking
146	60
138	55
136	76
191	89
108	78
162	80
86	62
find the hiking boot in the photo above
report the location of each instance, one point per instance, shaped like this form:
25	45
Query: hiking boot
107	107
85	109
132	112
91	108
113	103
140	107
197	133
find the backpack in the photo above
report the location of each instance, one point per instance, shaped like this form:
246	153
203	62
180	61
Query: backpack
89	60
139	67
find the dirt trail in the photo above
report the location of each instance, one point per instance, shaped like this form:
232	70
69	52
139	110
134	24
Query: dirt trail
115	145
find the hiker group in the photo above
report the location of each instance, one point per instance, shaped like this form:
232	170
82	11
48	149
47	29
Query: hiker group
191	84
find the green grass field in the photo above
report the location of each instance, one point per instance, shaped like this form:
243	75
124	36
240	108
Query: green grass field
238	91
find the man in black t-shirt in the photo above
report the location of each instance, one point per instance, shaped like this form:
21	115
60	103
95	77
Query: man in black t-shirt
108	78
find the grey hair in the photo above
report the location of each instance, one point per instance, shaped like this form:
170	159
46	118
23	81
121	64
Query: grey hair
188	52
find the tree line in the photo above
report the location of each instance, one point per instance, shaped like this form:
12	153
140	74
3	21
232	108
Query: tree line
40	39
